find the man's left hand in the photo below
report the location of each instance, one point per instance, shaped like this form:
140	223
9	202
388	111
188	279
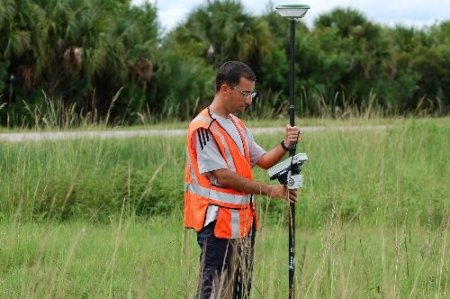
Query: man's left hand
291	135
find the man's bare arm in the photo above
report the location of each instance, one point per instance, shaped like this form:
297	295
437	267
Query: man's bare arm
229	179
272	157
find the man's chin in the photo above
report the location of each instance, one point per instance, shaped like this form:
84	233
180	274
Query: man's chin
240	109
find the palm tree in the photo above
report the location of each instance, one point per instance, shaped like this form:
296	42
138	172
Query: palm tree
364	52
77	50
348	21
92	45
221	31
22	36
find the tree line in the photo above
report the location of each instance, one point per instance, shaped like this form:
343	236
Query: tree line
110	61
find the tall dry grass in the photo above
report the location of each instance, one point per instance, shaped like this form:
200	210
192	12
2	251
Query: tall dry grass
102	218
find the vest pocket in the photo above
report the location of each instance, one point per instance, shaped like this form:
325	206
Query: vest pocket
194	211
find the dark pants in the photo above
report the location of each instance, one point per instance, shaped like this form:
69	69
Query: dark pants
226	265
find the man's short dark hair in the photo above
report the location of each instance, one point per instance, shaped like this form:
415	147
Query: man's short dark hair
231	72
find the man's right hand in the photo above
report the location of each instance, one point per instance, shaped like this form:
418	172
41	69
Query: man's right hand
282	192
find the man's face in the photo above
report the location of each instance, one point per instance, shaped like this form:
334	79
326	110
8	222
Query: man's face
240	96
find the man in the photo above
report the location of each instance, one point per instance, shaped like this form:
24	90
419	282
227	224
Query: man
219	184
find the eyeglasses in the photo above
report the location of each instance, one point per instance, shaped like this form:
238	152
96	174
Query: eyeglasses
246	93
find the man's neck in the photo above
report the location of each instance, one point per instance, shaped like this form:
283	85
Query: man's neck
218	109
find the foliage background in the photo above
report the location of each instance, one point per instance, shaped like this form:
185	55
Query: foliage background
108	61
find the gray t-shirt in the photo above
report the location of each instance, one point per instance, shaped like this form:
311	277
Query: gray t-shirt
209	157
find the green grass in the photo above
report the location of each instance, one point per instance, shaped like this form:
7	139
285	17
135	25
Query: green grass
79	260
158	259
368	175
90	178
101	218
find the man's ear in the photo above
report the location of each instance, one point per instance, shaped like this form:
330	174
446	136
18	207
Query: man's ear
224	88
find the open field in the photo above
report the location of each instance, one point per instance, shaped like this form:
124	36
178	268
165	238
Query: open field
101	218
155	259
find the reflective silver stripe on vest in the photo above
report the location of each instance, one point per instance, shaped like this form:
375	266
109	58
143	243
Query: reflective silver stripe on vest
234	199
235	224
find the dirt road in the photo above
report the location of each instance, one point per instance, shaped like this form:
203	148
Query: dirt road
41	136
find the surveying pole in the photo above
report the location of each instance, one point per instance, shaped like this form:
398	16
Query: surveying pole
292	12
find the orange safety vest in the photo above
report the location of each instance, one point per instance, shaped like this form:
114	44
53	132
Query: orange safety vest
236	214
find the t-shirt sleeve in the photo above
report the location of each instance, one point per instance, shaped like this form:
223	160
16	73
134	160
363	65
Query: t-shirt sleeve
208	154
256	151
